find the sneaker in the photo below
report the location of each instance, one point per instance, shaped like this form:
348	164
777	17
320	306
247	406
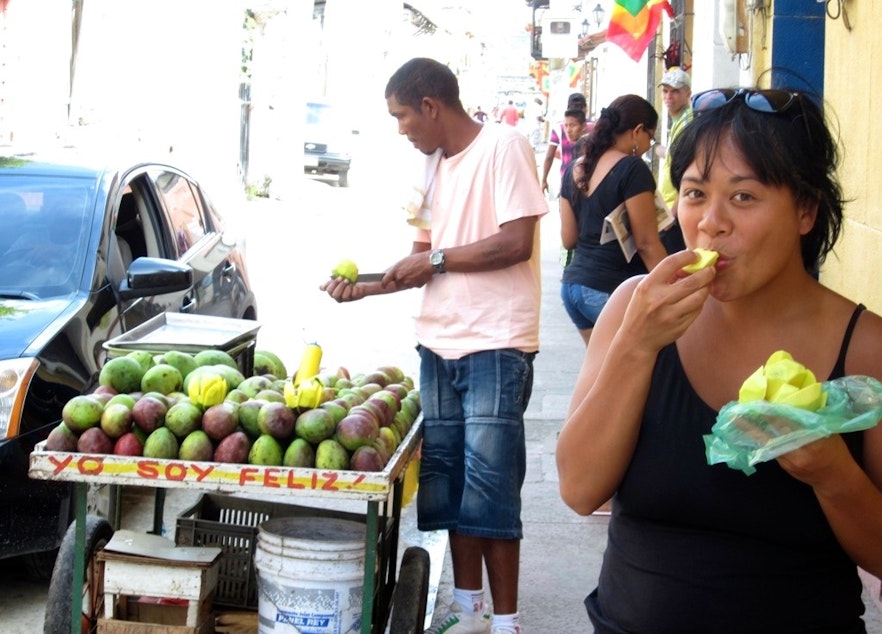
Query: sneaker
458	622
507	629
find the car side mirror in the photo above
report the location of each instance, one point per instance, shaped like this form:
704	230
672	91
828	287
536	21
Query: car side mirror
147	277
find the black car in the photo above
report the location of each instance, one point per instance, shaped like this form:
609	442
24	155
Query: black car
327	149
87	252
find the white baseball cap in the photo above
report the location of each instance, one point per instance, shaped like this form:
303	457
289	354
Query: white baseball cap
676	78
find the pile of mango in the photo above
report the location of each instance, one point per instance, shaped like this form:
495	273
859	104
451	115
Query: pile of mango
200	407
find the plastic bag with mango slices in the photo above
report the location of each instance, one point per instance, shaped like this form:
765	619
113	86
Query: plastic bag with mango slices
757	431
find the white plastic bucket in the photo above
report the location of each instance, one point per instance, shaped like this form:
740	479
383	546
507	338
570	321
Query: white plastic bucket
310	575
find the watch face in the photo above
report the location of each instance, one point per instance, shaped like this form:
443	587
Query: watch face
436	258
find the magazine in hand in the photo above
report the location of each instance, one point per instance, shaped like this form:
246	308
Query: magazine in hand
616	226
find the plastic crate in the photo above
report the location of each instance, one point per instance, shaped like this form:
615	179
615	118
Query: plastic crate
231	524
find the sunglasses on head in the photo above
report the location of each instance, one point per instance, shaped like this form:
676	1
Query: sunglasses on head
771	101
768	101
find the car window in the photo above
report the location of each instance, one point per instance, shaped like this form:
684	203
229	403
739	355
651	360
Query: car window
44	233
183	209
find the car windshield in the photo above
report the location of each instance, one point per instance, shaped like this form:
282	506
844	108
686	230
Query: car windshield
44	234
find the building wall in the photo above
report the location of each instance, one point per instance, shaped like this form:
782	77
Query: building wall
851	76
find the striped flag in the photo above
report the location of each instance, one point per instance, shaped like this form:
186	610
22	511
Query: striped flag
634	23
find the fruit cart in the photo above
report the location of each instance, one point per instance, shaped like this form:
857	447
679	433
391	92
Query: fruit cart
77	591
381	492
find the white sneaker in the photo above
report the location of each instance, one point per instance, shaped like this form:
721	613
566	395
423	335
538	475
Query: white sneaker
458	622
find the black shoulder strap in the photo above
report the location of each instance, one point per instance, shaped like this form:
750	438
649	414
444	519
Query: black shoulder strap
839	367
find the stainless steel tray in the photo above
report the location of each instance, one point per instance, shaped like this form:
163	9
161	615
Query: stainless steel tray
184	332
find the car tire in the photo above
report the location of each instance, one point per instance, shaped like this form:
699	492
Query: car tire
343	179
59	599
411	593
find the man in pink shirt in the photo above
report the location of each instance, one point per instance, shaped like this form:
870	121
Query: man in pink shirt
478	332
510	114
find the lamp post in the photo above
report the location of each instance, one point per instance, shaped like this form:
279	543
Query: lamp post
598	14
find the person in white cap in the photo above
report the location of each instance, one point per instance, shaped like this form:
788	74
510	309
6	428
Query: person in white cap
676	94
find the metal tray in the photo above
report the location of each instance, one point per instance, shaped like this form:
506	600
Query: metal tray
184	332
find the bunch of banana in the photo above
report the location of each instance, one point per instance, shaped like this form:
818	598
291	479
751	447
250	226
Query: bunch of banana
783	380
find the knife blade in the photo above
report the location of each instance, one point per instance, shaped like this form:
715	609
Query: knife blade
369	277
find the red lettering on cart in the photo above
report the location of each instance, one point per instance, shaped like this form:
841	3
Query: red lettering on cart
176	471
60	464
330	483
247	475
90	465
148	469
292	483
314	480
201	473
357	480
270	479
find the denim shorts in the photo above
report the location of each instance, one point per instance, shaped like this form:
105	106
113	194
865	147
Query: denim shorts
583	304
474	451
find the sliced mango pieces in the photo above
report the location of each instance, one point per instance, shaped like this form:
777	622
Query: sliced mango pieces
706	258
786	381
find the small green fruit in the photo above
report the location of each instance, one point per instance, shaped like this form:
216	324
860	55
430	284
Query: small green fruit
346	269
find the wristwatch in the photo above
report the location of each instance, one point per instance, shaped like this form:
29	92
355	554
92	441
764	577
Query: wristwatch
436	259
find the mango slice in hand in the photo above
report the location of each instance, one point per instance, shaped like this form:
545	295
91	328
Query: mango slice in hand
811	397
786	381
787	370
754	387
706	258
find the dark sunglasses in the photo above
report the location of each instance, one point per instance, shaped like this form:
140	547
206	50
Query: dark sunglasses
769	101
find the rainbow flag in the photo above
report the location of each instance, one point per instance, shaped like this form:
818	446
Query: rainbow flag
634	23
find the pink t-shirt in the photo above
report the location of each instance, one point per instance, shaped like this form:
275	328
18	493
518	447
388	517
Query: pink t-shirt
510	115
491	182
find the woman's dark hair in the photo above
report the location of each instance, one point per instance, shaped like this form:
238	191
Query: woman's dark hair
792	148
623	114
423	77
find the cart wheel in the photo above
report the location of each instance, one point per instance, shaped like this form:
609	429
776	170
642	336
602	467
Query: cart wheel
411	592
59	600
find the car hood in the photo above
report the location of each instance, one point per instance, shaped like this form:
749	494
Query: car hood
23	322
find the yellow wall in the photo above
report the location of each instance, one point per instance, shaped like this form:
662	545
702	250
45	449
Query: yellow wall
852	74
